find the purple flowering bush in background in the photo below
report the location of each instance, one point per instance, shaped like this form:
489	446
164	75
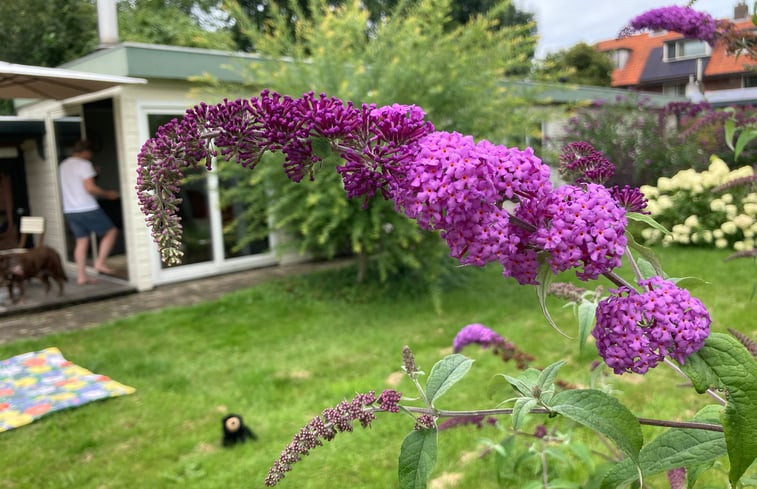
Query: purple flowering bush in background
689	22
492	204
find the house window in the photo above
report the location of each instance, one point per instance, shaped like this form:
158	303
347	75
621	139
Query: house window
674	89
750	81
685	49
619	58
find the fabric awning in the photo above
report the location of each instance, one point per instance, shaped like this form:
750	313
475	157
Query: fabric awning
37	82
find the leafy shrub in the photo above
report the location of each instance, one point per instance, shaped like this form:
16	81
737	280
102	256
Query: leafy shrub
699	210
645	142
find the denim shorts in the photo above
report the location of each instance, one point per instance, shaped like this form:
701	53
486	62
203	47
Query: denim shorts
83	223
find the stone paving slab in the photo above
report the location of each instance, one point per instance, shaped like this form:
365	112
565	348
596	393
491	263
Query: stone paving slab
74	316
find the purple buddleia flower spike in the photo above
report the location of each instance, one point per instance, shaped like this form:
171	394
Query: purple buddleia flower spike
691	23
326	426
581	163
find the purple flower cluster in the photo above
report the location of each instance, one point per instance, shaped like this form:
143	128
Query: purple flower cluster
327	425
580	227
477	334
635	331
458	186
375	143
629	198
581	163
691	23
490	202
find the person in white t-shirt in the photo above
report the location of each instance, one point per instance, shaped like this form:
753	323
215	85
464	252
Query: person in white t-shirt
82	212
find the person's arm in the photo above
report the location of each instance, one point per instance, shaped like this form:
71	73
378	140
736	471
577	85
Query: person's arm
91	187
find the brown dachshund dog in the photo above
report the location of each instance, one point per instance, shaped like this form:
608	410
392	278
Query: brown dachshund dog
41	262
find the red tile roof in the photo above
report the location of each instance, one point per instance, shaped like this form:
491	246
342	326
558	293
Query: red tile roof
641	45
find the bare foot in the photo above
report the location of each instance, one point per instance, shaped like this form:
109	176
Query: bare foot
86	281
104	269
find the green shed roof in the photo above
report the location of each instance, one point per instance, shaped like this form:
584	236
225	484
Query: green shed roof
166	62
561	93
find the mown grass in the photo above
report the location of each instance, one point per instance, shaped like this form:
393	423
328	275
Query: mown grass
281	352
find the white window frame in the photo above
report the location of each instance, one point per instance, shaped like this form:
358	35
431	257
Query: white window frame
678	47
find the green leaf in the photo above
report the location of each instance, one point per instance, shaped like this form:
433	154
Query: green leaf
724	363
745	137
417	458
524	383
647	219
546	379
587	311
689	282
604	414
544	277
446	373
646	268
676	447
730	129
522	407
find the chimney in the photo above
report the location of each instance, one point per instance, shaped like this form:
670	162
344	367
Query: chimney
740	11
107	23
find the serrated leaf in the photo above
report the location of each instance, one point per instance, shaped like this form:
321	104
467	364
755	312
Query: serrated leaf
604	414
446	373
522	407
587	311
544	277
648	220
724	363
676	447
417	458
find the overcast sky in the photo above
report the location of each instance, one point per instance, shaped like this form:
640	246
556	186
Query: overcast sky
563	23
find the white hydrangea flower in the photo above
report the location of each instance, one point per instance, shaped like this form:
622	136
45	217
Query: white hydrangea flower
649	191
729	227
717	233
717	205
692	221
721	243
731	211
727	198
742	221
665	202
664	184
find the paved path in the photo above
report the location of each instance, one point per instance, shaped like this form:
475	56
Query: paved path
87	315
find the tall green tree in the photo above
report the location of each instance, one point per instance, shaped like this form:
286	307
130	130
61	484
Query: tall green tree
175	23
262	12
415	55
581	64
47	32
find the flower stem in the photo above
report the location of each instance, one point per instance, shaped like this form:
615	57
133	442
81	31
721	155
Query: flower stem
634	265
442	413
710	392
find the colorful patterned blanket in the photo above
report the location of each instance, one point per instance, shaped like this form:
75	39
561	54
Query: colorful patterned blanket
38	383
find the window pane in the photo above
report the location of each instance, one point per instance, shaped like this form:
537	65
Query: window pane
693	48
670	50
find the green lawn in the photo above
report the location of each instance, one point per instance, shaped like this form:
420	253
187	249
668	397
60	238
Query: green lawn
279	353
